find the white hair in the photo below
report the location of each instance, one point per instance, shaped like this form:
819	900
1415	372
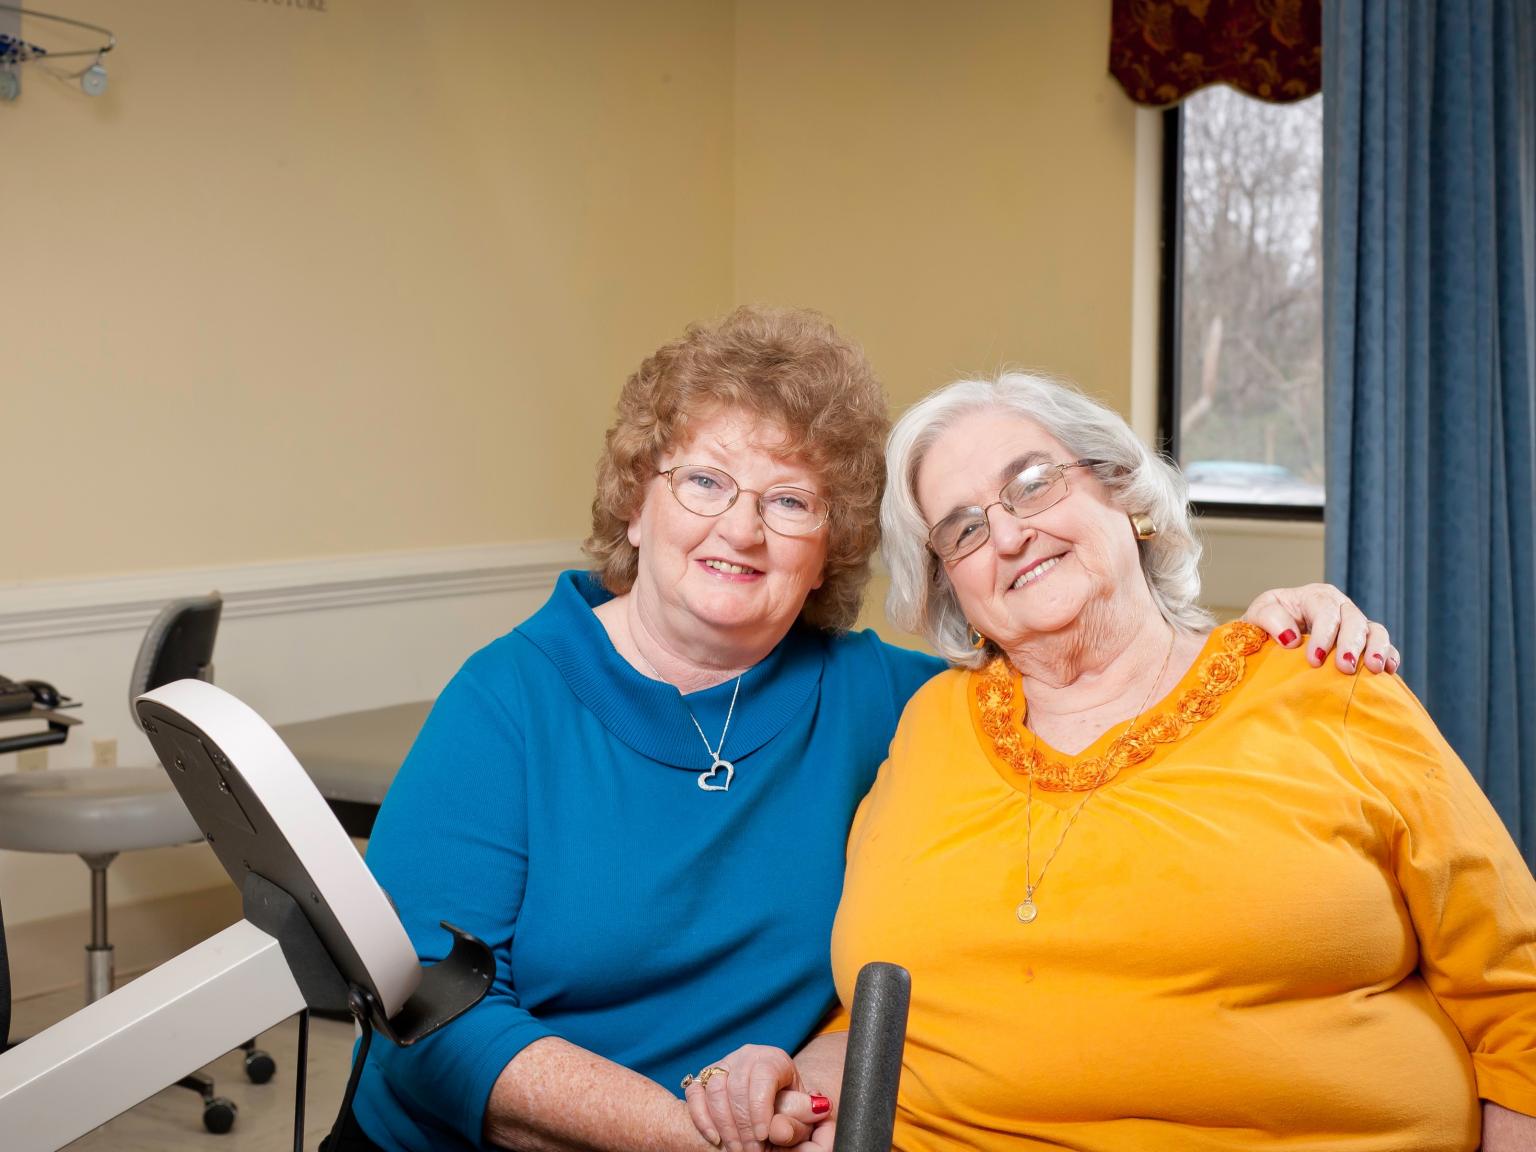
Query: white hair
921	598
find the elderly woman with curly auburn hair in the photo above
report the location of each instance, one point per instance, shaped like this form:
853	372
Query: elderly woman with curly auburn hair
1158	888
640	796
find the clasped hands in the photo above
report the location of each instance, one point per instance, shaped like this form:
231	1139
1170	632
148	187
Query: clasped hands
755	1099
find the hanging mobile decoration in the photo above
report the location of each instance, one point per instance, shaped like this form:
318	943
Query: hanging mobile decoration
15	51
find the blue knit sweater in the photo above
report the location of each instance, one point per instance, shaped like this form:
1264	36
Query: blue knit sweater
550	807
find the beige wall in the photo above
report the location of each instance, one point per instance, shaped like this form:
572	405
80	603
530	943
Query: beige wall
308	284
355	281
322	283
953	183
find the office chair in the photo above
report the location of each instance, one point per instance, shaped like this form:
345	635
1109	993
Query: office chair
95	813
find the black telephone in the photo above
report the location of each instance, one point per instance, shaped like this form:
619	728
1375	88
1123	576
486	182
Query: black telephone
14	697
24	695
33	700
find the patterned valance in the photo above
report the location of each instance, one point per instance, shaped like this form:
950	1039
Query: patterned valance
1162	50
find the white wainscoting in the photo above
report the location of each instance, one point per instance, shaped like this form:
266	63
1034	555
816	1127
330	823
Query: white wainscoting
298	640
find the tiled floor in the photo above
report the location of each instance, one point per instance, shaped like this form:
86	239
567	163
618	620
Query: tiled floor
171	1120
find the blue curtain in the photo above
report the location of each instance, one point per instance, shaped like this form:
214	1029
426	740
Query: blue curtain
1429	346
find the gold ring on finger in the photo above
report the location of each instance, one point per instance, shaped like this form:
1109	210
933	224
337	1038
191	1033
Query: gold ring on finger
687	1080
714	1070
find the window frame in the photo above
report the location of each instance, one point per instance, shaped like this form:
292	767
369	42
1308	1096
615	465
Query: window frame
1170	334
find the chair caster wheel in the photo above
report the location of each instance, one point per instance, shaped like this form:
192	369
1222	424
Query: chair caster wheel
219	1115
259	1067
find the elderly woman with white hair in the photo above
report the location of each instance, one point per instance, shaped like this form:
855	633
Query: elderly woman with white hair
1157	887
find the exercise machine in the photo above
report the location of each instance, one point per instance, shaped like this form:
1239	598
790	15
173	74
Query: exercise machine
316	928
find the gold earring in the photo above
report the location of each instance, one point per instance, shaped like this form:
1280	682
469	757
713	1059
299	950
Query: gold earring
1143	525
978	641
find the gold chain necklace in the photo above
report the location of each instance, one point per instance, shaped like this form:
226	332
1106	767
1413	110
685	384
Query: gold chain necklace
1027	909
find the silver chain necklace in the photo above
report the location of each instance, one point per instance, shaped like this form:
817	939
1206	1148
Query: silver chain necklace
706	778
719	763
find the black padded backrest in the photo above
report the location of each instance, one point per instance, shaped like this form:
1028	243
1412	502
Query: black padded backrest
177	646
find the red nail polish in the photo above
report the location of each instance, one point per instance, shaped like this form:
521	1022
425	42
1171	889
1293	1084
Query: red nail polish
820	1104
1349	657
1320	654
1377	660
1288	637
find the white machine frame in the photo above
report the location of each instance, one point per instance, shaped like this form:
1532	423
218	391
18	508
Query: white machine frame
118	1051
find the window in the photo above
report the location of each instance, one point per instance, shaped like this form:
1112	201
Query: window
1242	362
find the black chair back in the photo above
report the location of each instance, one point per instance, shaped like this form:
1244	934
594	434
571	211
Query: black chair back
177	646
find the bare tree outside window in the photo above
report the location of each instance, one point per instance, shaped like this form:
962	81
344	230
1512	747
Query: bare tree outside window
1250	362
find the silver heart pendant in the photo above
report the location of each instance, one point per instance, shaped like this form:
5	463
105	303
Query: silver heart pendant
706	779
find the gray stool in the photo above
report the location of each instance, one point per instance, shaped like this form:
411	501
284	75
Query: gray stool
95	813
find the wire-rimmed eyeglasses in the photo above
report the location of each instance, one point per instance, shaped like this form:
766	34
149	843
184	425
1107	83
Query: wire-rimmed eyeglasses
707	491
1031	492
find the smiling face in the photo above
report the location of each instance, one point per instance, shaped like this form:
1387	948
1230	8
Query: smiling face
1042	575
727	581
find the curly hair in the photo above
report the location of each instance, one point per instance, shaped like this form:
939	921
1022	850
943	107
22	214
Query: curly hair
921	598
788	367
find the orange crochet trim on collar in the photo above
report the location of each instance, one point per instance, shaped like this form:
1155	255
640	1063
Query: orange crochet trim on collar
995	693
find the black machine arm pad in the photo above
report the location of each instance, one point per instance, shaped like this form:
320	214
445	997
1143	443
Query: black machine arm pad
876	1037
447	990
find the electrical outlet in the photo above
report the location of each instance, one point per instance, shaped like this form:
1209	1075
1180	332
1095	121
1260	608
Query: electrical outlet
104	753
32	760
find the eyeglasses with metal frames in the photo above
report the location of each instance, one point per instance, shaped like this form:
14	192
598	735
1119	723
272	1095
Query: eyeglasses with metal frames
1032	491
707	491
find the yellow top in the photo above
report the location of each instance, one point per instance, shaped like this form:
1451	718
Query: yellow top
1288	918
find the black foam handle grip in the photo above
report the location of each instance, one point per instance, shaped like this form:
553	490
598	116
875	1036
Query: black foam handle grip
866	1114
